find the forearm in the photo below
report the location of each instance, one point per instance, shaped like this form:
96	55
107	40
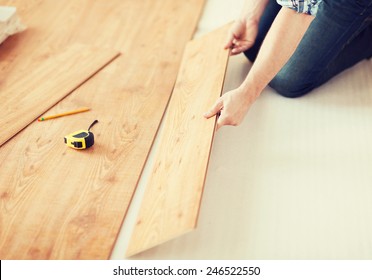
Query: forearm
280	43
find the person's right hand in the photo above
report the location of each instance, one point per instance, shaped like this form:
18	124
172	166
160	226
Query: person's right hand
241	36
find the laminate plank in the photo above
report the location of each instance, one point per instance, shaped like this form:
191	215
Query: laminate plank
56	76
173	193
58	203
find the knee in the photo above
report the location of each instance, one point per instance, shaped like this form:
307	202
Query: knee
290	86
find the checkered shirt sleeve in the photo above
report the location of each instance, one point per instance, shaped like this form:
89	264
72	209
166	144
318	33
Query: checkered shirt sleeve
301	6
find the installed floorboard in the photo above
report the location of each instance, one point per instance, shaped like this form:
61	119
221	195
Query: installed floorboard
55	76
173	194
58	203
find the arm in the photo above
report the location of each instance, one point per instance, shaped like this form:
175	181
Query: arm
280	43
244	30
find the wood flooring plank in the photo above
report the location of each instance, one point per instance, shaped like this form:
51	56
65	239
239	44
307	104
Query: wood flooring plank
55	77
58	203
173	193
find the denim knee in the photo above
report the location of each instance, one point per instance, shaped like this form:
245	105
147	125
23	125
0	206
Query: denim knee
290	86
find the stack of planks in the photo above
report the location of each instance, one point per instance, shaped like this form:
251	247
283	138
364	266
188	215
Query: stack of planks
57	203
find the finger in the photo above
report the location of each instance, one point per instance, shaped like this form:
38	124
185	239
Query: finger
239	48
221	121
229	41
214	110
235	51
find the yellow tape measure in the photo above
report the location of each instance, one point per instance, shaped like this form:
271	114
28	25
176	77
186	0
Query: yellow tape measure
81	139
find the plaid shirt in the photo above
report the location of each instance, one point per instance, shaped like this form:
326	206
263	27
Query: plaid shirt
301	6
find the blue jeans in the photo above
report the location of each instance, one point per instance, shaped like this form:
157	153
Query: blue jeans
339	37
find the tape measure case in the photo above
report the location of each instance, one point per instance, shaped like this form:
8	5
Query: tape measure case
80	139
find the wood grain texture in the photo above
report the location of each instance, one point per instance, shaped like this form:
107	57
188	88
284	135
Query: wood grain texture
173	194
59	203
55	76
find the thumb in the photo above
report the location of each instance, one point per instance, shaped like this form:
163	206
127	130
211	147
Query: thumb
221	121
214	110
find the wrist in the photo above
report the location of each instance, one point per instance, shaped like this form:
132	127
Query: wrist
251	87
249	20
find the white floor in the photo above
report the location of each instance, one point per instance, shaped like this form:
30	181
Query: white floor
294	181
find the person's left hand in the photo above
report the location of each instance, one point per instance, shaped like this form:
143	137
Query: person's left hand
232	107
241	36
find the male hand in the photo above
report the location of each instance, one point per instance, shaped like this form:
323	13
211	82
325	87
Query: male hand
231	107
241	36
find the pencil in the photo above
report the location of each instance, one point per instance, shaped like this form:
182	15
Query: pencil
84	109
